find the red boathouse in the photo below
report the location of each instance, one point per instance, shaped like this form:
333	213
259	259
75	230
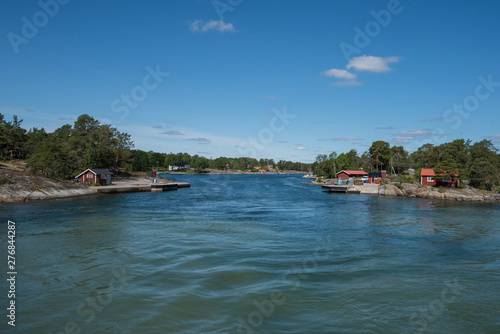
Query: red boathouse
95	175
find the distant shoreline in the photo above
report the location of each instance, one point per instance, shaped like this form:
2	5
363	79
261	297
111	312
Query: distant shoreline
231	172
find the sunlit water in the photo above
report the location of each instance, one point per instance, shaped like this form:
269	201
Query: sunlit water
253	254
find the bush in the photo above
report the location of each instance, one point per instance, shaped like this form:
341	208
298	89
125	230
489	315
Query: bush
399	185
404	179
384	181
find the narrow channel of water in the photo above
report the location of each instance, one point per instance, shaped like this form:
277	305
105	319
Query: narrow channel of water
254	254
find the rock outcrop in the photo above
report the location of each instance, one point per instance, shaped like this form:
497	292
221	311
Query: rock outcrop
413	190
16	185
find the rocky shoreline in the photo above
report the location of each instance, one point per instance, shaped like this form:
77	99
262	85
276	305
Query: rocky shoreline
17	185
419	191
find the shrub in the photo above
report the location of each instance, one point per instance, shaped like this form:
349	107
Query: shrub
404	179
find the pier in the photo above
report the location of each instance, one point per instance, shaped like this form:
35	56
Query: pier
365	188
341	189
127	186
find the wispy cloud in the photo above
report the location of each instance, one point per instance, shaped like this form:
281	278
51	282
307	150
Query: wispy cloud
372	64
200	140
199	26
384	128
436	119
172	133
65	118
495	138
339	74
405	137
414	133
270	97
301	148
348	83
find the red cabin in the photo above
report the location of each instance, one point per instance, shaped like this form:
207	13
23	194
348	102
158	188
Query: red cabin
345	174
429	178
95	175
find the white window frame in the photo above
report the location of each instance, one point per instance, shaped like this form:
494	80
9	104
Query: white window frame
429	179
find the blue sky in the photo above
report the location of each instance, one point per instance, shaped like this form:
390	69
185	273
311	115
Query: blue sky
268	79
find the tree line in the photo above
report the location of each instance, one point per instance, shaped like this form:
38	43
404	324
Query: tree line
66	151
143	161
87	143
477	162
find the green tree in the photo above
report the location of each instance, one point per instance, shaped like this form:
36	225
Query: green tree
484	175
380	153
140	161
399	159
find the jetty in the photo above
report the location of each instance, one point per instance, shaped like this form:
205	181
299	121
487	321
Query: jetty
347	189
132	186
365	188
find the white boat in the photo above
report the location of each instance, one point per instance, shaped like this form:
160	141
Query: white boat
309	176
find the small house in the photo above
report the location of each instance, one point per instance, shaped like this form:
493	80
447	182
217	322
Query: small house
345	174
95	175
429	178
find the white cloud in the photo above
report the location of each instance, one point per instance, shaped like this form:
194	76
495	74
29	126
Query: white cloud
301	148
339	74
201	26
372	64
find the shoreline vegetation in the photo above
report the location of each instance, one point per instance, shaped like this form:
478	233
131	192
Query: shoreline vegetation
18	185
38	165
413	190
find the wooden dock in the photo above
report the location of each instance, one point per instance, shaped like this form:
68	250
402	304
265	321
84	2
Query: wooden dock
132	187
158	187
341	189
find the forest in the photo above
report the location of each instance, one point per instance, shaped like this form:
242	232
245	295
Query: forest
87	143
477	162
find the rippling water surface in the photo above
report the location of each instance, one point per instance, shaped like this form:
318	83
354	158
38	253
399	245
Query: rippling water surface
254	254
